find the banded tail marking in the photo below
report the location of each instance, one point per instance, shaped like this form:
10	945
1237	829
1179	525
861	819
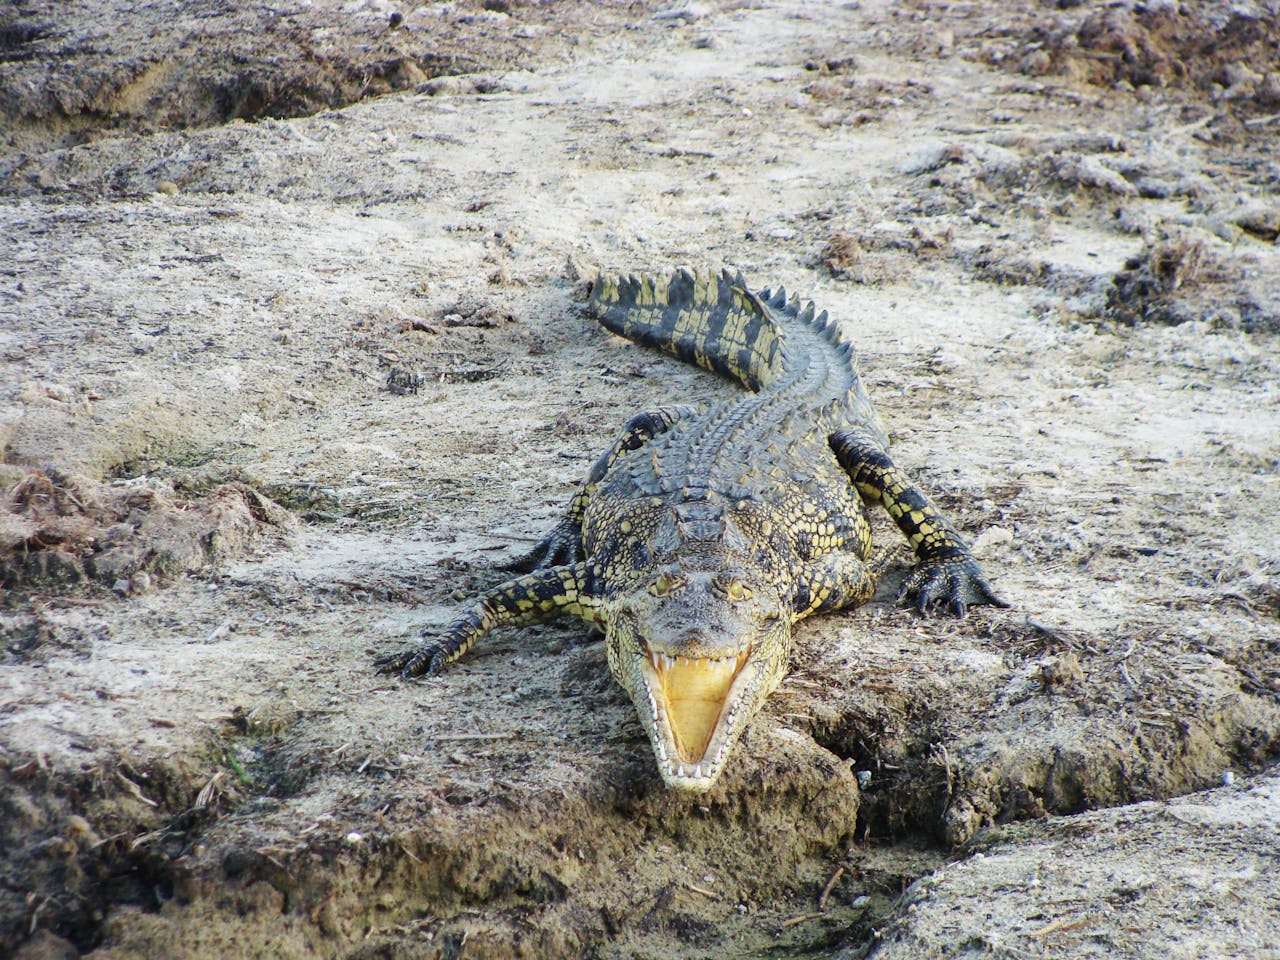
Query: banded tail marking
711	321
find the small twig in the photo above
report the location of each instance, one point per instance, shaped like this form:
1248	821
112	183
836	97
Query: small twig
218	631
409	853
1127	679
696	889
1259	121
474	736
1124	671
208	791
826	891
1061	924
1096	55
796	920
136	790
1193	126
142	839
105	840
941	749
35	915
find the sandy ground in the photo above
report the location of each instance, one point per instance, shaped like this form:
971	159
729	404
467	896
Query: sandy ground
277	394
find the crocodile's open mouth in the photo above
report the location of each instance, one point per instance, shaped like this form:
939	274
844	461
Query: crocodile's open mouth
694	694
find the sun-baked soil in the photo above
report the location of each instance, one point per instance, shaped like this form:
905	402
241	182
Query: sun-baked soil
277	395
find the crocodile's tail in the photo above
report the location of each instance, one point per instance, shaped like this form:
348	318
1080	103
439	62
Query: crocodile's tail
712	321
822	348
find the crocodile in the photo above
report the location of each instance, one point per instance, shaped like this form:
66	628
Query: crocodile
703	535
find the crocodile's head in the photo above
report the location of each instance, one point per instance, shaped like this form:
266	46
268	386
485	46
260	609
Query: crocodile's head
698	652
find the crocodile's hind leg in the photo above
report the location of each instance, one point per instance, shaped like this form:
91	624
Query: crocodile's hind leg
564	543
534	597
946	572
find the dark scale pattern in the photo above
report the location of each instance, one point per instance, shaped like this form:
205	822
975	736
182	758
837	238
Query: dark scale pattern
701	536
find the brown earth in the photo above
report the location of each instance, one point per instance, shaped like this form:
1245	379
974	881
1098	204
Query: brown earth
276	394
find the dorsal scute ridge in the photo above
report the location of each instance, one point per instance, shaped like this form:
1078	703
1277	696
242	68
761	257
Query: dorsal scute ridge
772	298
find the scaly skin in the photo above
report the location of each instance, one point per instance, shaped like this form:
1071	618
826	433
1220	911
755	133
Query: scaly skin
701	537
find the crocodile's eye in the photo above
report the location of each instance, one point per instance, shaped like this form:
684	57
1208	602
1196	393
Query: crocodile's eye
662	586
737	590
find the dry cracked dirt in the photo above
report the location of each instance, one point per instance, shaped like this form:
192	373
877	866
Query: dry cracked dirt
292	355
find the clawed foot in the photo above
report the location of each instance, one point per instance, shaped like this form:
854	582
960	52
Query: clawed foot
425	660
955	584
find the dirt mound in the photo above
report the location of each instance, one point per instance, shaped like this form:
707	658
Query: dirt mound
59	530
77	843
1090	886
1227	52
208	64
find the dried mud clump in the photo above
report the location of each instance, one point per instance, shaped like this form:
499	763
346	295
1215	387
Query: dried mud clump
619	869
1145	289
1232	55
87	842
61	530
879	256
1176	280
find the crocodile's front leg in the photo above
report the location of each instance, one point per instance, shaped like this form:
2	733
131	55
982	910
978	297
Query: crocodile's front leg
832	582
564	543
946	572
542	595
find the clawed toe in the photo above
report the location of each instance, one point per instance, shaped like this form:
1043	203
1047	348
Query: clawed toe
955	584
419	661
